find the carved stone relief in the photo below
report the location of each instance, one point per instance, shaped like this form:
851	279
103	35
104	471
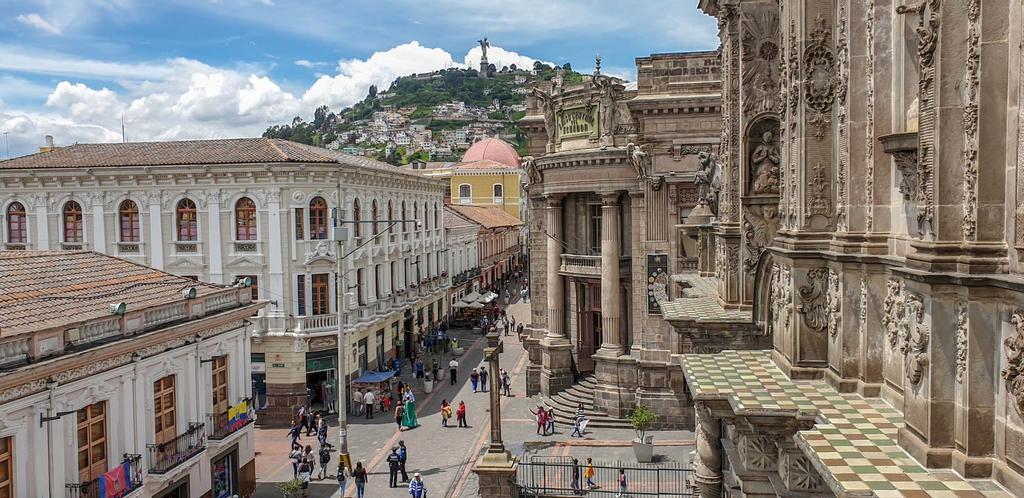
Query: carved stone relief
869	116
781	297
893	311
970	120
760	59
842	78
764	160
1013	374
759	227
812	299
917	334
819	75
961	340
758	452
799	474
834	300
819	198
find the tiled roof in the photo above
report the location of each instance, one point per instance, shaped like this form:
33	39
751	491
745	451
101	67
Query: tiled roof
488	217
41	290
452	219
190	152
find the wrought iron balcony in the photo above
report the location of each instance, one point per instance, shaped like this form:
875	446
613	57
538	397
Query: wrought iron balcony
163	457
91	489
581	265
219	425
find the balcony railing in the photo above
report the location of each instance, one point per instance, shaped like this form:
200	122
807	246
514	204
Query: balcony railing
161	458
587	266
91	489
219	425
315	323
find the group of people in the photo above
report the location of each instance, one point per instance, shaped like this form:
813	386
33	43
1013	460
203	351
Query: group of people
588	473
546	421
405	412
311	423
446	413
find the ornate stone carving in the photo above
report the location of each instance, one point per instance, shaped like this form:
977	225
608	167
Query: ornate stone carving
764	166
819	75
834	303
758	452
547	107
869	116
906	163
917	334
862	307
961	340
1013	374
842	78
759	228
640	158
819	200
781	297
92	368
970	120
22	390
760	55
893	311
812	299
802	475
532	173
708	179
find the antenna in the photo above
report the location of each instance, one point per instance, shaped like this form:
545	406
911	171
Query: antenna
123	139
7	143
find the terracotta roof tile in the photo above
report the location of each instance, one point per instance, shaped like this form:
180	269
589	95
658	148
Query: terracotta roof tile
452	219
41	290
488	217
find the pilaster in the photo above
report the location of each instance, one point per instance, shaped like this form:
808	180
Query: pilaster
99	231
215	240
276	249
156	231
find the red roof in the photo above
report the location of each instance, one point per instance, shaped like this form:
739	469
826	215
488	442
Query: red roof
493	149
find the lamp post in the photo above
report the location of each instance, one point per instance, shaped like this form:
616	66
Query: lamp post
339	235
496	468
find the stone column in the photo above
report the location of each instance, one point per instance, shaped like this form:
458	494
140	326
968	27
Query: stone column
274	240
42	234
611	298
556	368
99	231
215	239
708	465
156	239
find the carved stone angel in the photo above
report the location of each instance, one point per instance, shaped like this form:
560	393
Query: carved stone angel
547	105
708	181
533	175
638	158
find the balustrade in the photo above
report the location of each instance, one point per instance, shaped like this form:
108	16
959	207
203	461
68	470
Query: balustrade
163	457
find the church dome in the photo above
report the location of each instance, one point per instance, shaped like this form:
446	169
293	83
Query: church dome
493	149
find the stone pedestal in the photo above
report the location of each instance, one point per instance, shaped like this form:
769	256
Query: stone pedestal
497	474
556	365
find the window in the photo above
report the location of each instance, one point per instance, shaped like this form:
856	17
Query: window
245	219
360	283
426	219
465	193
499	191
391	213
595	228
378	289
164	410
317	219
300	294
437	222
220	392
72	222
188	225
405	225
321	291
255	287
375	216
128	217
394	275
300	224
92	441
7	467
380	350
415	214
17	224
356	218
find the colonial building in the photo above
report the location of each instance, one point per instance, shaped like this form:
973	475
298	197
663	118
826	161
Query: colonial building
498	236
610	175
113	368
488	175
462	236
218	210
869	225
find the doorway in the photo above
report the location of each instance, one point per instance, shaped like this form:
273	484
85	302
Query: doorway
588	324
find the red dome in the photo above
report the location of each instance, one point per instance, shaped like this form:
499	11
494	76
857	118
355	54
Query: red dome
493	149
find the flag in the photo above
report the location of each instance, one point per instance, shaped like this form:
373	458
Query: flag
238	415
116	483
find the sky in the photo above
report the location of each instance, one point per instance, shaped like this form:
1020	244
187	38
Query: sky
178	69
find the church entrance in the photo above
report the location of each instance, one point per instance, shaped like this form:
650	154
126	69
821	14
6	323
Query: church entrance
588	324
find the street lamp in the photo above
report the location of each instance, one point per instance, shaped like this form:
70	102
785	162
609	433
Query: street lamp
340	233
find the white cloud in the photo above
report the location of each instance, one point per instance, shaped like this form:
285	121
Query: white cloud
310	64
36	21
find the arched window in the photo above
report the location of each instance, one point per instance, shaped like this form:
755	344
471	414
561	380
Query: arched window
375	216
128	220
72	222
437	222
245	219
356	218
17	224
391	212
426	219
415	214
465	194
188	223
499	191
405	225
317	218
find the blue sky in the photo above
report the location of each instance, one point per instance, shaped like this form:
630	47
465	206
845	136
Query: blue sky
214	68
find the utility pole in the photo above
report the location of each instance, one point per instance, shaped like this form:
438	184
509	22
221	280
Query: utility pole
7	143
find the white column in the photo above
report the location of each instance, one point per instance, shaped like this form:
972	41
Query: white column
214	239
99	232
156	235
42	222
275	257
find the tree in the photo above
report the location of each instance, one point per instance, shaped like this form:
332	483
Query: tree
320	116
567	67
513	68
538	65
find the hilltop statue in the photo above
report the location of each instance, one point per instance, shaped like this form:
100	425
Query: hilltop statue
484	45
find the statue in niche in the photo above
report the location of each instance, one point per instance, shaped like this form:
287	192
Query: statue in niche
607	101
547	105
708	181
765	165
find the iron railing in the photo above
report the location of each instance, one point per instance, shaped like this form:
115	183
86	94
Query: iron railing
91	489
552	476
163	457
219	425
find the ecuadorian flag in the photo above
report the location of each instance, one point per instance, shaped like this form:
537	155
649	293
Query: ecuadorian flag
238	415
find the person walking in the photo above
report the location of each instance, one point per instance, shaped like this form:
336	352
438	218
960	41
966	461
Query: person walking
622	484
576	477
368	400
409	419
453	368
360	478
342	481
417	488
576	429
506	383
295	433
551	420
303	417
542	420
483	379
393	466
474	379
305	470
325	458
460	414
313	423
296	457
588	473
399	415
321	433
403	455
446	412
357	402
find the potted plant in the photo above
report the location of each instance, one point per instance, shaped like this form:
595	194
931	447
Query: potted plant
291	488
642	420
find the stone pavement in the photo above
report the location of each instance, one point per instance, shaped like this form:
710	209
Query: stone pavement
444	456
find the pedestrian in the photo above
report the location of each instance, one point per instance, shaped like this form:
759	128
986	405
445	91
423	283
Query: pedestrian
417	488
305	470
622	483
313	424
303	416
409	420
393	466
419	368
321	433
551	420
296	457
460	414
588	473
576	429
325	458
360	477
453	368
446	412
541	420
341	478
474	379
506	383
357	402
403	455
435	371
483	378
576	477
295	433
399	415
368	400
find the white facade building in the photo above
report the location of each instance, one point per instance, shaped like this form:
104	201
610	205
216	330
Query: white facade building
217	210
463	255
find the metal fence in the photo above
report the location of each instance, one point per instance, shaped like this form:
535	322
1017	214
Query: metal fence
553	476
91	489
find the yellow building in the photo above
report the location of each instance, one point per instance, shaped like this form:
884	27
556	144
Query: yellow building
487	176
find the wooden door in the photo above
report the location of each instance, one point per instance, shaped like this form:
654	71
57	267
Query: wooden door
164	412
92	441
220	392
6	467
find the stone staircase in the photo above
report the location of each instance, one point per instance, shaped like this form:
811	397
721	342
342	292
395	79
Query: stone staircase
566	402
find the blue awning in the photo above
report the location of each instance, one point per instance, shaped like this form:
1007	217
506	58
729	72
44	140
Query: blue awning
374	377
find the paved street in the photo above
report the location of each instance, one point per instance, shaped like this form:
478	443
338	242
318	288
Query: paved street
444	456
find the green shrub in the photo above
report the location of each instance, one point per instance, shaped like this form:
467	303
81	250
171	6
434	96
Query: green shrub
642	419
290	488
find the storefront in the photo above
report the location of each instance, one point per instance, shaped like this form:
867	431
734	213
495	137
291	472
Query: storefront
321	379
259	381
225	474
